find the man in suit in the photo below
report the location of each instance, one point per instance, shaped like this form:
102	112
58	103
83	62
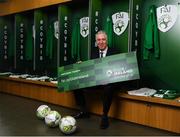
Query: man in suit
101	51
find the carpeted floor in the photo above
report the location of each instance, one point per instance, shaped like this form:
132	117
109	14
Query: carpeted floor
18	118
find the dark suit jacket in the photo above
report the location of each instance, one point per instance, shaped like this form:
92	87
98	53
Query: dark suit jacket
110	51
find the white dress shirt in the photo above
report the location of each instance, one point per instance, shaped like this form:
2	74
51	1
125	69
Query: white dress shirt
103	52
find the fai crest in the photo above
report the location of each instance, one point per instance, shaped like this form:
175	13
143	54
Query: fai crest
166	17
56	29
84	26
120	22
34	32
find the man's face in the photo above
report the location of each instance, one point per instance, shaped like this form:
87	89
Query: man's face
101	41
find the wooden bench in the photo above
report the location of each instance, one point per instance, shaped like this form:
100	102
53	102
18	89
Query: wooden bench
149	111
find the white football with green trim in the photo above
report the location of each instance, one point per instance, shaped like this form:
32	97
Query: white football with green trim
42	111
52	119
67	125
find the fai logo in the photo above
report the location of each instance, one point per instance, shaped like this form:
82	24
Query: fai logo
84	26
120	22
34	32
109	73
56	29
166	17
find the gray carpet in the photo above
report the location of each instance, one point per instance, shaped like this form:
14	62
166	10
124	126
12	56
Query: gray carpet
18	118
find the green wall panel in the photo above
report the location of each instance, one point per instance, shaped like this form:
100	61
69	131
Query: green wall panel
79	12
40	18
101	12
120	42
52	37
46	41
64	17
162	72
135	25
7	43
95	13
24	42
73	46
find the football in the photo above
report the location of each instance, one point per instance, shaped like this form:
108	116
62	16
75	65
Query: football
52	119
67	125
42	111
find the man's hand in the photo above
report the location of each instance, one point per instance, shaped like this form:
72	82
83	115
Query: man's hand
78	62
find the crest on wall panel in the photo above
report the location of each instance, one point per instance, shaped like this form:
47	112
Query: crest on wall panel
120	22
166	17
84	26
56	29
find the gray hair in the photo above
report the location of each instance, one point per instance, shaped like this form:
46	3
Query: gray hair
101	32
